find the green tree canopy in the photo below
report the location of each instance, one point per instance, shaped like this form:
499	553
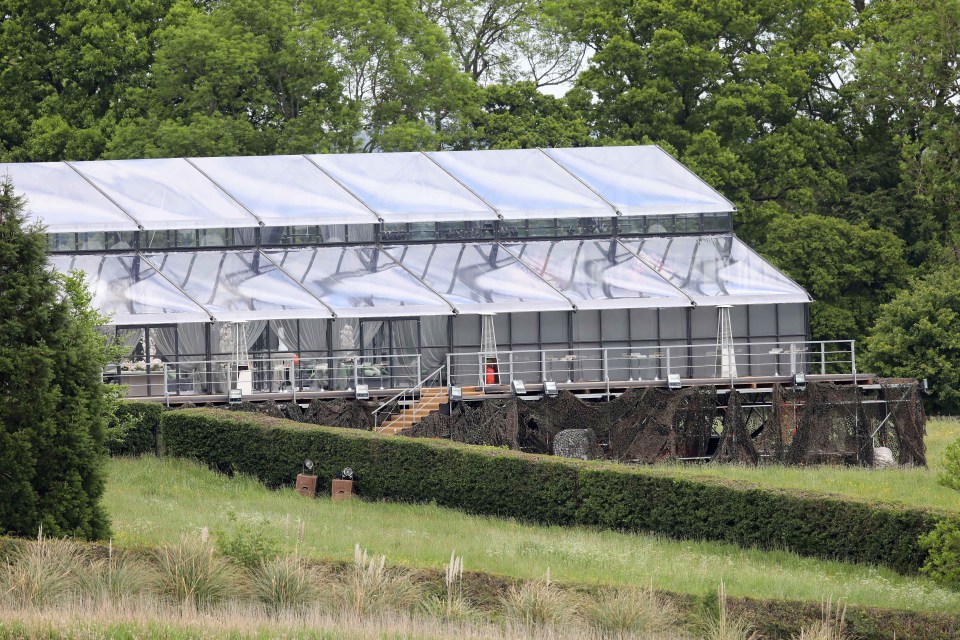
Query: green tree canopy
51	395
850	270
917	335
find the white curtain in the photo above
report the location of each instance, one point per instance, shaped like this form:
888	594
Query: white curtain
433	331
192	341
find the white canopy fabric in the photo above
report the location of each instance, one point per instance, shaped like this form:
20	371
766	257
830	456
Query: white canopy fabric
598	274
59	198
285	190
238	285
451	186
524	184
360	282
166	194
716	270
479	277
404	187
641	180
129	291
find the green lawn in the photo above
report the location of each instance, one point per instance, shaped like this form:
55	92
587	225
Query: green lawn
153	501
913	487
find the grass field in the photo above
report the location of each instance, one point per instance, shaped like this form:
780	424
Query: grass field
913	487
153	501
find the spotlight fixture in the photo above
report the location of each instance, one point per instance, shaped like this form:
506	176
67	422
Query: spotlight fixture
234	396
673	380
799	381
517	387
363	392
550	388
456	394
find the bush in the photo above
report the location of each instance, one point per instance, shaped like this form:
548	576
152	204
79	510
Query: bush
191	574
551	490
943	562
133	428
950	475
250	545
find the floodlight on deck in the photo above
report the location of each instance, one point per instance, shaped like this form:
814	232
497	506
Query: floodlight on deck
673	381
363	392
517	387
456	394
550	388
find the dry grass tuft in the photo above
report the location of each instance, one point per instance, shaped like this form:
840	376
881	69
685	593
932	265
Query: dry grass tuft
370	587
620	611
829	627
286	584
191	574
42	572
727	627
540	603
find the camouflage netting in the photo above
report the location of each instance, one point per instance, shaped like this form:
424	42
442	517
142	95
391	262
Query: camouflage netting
904	430
825	423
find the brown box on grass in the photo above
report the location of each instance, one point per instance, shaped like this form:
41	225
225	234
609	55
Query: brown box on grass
307	485
342	489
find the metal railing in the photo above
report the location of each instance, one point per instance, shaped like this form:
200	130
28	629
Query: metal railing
652	363
281	373
409	400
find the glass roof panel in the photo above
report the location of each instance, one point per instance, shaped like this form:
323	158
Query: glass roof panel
238	285
404	187
285	190
598	274
166	194
130	291
479	277
360	281
642	180
63	201
523	184
717	270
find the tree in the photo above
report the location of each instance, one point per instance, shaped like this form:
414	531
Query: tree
917	335
51	394
63	66
850	270
518	116
507	41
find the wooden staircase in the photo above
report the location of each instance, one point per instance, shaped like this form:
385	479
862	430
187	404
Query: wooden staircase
430	401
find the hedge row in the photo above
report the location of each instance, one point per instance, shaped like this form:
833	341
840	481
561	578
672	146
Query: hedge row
141	422
550	490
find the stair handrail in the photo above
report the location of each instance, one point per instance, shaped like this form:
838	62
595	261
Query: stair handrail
411	392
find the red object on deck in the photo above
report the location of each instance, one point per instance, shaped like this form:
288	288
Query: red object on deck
491	374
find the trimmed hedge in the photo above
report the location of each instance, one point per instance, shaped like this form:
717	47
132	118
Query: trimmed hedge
142	436
550	490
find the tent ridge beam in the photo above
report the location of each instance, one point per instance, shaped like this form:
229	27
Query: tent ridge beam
573	304
464	185
453	307
349	191
299	284
177	286
227	193
620	242
104	194
589	186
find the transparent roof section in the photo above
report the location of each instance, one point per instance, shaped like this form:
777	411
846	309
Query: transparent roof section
642	180
63	201
285	190
479	277
598	274
717	270
166	194
130	291
360	282
404	187
523	184
238	285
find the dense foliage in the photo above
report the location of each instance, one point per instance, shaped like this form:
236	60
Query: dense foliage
548	489
133	428
832	124
943	560
52	400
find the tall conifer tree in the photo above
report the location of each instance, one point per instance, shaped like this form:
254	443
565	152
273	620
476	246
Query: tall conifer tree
51	395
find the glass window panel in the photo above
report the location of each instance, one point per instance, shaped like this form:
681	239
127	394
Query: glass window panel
285	190
64	201
238	285
479	277
598	274
523	183
130	291
359	281
404	187
641	180
717	270
166	194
